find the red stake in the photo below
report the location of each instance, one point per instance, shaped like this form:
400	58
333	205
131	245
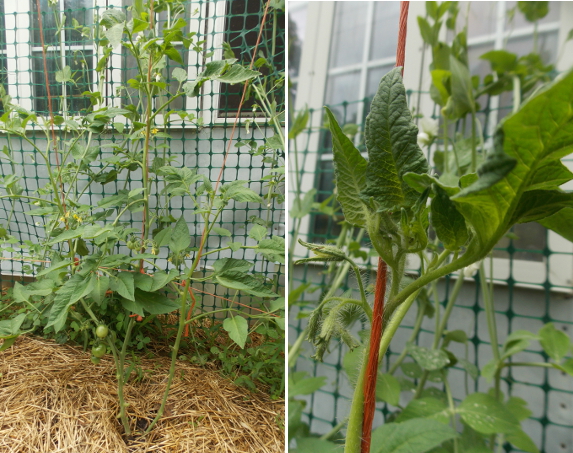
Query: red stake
372	369
380	291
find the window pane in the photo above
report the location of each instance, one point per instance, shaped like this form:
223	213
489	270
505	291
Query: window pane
297	25
83	12
242	29
81	65
347	43
532	240
519	21
385	30
48	23
2	27
343	88
482	18
373	80
53	63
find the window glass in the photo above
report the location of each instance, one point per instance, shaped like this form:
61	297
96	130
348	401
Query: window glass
74	51
517	19
343	88
374	76
242	25
385	30
348	35
297	24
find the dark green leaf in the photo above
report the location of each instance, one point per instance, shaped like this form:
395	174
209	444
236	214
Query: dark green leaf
391	140
72	291
180	238
152	303
449	224
101	285
350	174
501	60
522	441
533	11
560	223
244	282
231	264
123	284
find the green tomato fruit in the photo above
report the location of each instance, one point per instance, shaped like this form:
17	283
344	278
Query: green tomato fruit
102	331
99	350
95	360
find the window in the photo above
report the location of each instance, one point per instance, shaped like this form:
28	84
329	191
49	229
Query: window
71	59
3	67
69	55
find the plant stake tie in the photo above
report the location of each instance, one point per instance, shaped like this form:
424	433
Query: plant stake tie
380	291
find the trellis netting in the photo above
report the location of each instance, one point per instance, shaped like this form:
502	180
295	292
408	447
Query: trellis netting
199	140
532	271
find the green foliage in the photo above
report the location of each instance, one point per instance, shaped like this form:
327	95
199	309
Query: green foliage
95	267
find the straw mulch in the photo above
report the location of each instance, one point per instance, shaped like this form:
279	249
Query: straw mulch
53	399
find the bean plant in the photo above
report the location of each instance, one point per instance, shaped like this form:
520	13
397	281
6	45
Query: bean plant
481	190
97	274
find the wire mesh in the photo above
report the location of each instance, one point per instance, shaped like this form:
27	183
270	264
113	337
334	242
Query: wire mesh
520	303
197	144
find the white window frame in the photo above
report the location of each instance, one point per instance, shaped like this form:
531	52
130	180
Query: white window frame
211	18
311	90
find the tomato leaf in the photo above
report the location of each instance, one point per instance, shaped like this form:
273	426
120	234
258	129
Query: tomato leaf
554	342
449	224
180	238
486	415
152	303
238	329
72	291
417	435
350	173
391	140
123	284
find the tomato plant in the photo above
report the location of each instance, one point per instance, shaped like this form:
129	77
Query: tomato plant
396	198
129	256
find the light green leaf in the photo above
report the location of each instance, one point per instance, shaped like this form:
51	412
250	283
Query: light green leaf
72	291
533	11
461	101
236	191
412	369
388	389
429	359
67	235
101	285
391	140
258	232
123	284
299	124
522	441
272	249
65	75
448	223
417	435
301	384
471	369
301	208
179	74
221	231
428	407
487	415
114	34
315	445
180	238
518	407
349	172
236	74
501	60
10	327
550	176
244	282
238	329
231	264
554	342
541	131
560	223
54	267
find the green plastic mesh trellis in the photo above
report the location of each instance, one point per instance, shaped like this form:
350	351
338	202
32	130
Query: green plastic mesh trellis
519	303
195	144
